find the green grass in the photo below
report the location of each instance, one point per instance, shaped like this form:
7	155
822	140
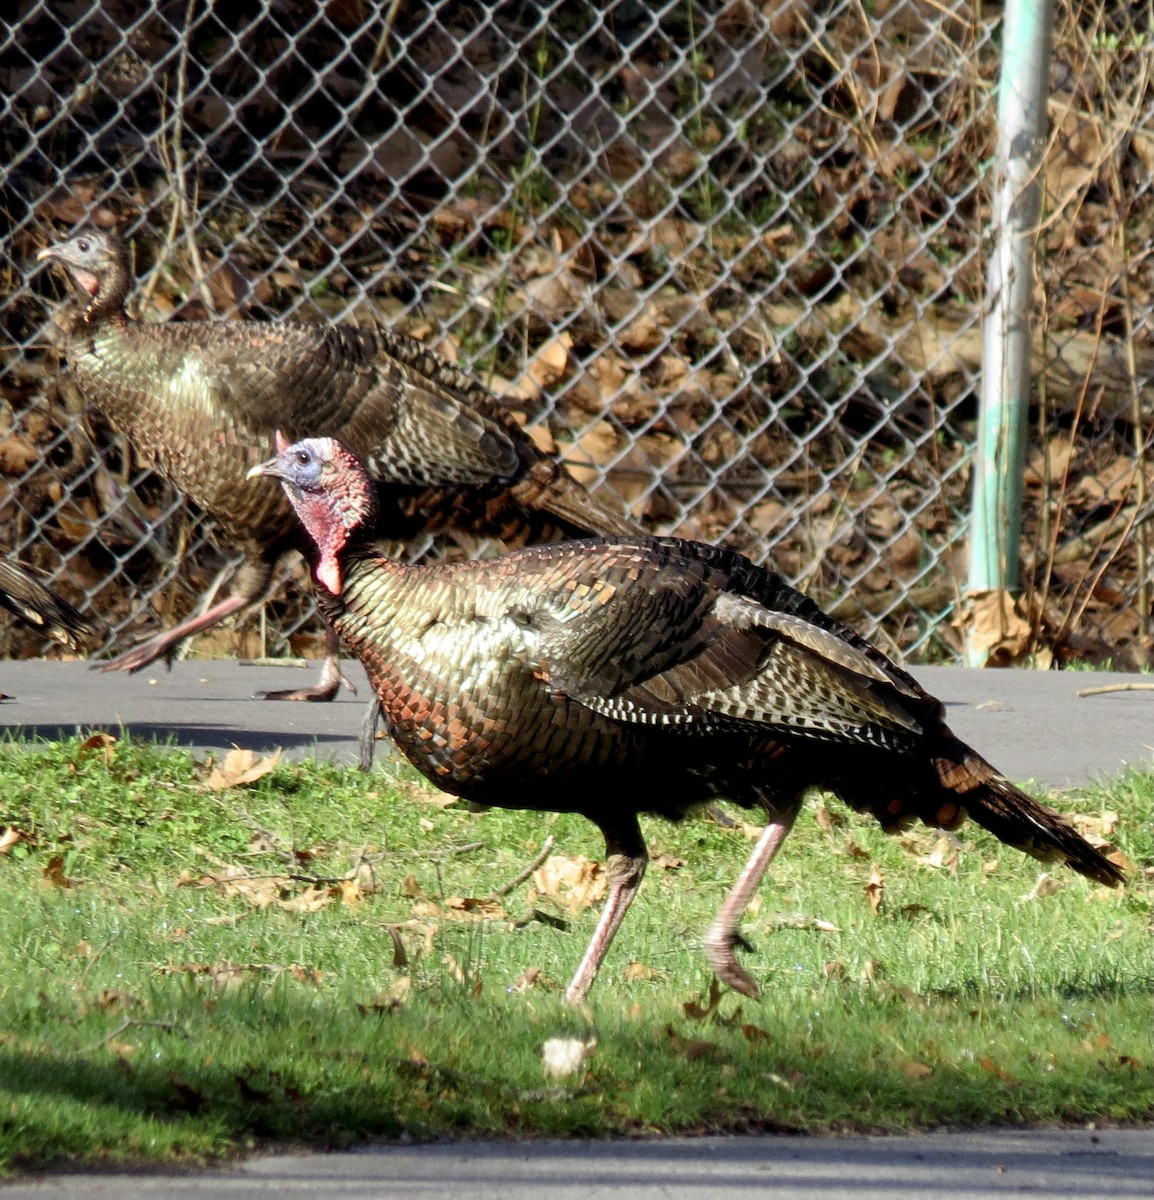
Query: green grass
146	1014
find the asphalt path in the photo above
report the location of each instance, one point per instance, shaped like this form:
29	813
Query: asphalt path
1032	725
1079	1164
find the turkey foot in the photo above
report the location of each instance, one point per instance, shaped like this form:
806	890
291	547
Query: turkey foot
164	644
723	936
330	682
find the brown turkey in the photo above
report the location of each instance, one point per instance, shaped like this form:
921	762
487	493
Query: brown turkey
200	400
22	593
655	675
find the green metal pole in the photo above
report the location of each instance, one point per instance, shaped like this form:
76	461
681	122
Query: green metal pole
999	457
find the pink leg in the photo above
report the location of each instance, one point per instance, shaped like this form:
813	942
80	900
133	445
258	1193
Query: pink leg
722	935
626	858
165	643
330	680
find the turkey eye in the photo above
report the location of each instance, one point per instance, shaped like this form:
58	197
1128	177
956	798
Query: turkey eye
303	458
83	245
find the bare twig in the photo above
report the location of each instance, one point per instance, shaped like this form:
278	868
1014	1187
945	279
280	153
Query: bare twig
131	1023
524	874
1117	687
96	958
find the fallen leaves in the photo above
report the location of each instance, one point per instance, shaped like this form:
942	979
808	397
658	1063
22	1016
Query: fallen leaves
291	893
229	974
10	837
579	881
1046	885
995	629
875	891
54	872
238	768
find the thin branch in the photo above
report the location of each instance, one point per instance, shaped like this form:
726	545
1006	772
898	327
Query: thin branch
1117	687
521	876
129	1023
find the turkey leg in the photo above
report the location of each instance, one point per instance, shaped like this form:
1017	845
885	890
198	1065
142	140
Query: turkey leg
625	858
164	645
330	681
722	935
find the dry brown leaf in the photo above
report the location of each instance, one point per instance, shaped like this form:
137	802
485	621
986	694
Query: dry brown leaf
917	1070
550	361
996	630
111	998
666	862
988	1064
944	854
221	974
698	1010
476	906
872	969
240	767
1077	147
640	971
579	881
533	978
54	872
875	890
597	447
10	836
17	454
1096	829
305	974
826	818
1047	885
103	743
310	900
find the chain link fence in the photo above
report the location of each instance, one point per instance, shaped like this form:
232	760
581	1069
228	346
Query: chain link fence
725	258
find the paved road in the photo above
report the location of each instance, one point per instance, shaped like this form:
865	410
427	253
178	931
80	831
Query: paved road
957	1166
1032	725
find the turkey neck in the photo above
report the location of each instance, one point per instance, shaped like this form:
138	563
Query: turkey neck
108	302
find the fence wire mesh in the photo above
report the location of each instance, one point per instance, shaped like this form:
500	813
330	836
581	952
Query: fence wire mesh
726	258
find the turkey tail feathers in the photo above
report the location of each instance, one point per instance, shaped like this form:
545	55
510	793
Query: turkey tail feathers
1018	819
23	594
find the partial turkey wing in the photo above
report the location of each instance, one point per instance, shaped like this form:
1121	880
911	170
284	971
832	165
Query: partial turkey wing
681	647
339	381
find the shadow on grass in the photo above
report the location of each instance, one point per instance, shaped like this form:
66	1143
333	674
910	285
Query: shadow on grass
189	735
269	1067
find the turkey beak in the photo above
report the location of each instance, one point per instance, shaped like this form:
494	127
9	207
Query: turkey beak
45	254
271	467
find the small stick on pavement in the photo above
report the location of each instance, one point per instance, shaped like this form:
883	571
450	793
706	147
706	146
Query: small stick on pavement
1117	687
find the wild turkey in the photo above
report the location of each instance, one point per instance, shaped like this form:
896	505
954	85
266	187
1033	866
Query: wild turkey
611	678
23	594
200	401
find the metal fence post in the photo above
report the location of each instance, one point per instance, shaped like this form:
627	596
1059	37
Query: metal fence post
999	457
